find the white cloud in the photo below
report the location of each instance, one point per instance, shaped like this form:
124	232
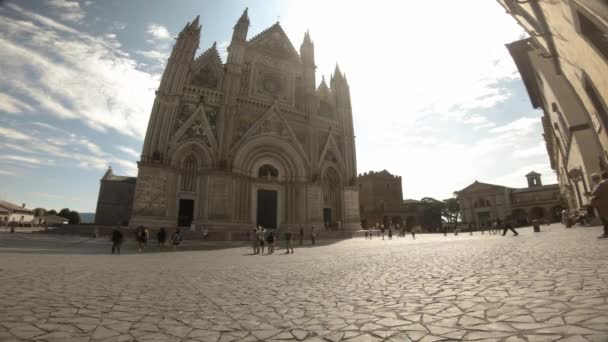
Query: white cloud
68	10
71	149
28	160
517	179
222	48
12	105
13	134
155	55
535	151
129	151
158	32
521	126
7	173
100	84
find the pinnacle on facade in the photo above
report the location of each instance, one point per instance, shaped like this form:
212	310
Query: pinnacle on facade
244	19
192	26
307	39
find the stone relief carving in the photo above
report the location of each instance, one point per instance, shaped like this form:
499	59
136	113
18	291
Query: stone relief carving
212	115
185	110
273	126
196	131
206	77
277	46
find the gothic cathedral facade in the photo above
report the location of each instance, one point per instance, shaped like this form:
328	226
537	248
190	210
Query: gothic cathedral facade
252	141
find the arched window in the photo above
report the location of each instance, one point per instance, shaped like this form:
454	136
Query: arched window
189	174
268	172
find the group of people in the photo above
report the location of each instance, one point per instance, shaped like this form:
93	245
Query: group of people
262	237
142	236
381	231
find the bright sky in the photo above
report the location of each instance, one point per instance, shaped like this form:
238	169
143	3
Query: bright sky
436	97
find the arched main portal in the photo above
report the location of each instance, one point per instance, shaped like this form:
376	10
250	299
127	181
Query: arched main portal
274	169
332	197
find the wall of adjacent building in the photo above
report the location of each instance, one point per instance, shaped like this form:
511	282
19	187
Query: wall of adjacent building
562	58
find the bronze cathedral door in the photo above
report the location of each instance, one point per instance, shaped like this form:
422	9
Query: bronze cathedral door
267	209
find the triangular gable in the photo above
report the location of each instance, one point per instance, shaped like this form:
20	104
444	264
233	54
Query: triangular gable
273	124
196	127
331	147
274	41
476	186
207	69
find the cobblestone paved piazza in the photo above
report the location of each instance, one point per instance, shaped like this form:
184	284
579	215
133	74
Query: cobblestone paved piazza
536	287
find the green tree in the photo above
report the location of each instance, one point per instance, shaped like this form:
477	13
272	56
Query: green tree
65	213
39	212
73	217
451	210
431	214
51	212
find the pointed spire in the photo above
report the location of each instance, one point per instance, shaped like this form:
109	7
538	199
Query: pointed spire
244	17
337	71
307	39
195	22
323	88
108	173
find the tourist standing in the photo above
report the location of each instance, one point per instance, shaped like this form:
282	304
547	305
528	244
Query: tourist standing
261	238
414	232
140	238
382	231
146	236
270	239
177	238
255	241
483	228
205	233
390	232
313	235
366	231
600	202
117	239
301	235
161	236
288	244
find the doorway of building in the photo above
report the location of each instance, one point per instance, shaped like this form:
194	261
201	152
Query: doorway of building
267	209
327	217
185	212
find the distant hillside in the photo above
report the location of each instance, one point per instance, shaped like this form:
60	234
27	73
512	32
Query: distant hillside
87	217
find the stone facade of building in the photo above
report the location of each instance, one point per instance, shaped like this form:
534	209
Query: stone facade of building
482	203
564	65
252	141
115	199
381	203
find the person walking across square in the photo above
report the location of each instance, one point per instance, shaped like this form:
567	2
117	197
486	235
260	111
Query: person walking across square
117	239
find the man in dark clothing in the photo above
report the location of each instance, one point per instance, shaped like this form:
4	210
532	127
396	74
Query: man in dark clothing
117	238
162	237
509	227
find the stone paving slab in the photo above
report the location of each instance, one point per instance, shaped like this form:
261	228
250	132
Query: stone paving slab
550	286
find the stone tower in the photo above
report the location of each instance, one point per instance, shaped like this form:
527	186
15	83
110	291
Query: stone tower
533	179
252	141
